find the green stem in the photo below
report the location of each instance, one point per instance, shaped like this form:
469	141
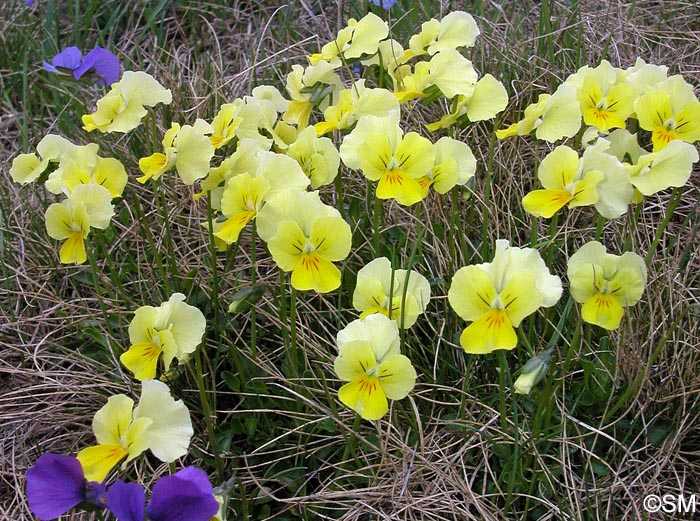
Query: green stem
503	383
672	204
378	211
293	360
99	293
485	240
253	279
206	410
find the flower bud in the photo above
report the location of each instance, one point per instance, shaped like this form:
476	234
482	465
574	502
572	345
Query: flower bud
533	372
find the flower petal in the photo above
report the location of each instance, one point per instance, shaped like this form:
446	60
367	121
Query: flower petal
55	484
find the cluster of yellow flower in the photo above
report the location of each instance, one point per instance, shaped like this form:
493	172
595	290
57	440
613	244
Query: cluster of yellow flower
614	169
269	150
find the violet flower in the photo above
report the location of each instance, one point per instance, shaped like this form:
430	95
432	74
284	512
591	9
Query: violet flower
56	483
103	63
384	4
187	495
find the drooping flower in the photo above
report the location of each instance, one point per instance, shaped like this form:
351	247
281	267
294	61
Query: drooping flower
488	98
309	87
378	147
56	483
317	156
186	495
397	294
359	38
353	105
187	149
173	330
245	194
564	184
305	237
605	283
369	360
448	71
455	30
26	168
553	117
671	166
88	206
123	107
159	423
496	296
455	165
102	62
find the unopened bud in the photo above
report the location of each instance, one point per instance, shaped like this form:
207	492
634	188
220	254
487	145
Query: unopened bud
533	372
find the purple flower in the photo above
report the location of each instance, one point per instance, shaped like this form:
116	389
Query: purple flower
69	58
384	4
103	63
56	483
187	495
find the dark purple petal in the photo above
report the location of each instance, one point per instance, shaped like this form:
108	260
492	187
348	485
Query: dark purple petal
104	63
55	484
30	3
187	495
69	58
125	501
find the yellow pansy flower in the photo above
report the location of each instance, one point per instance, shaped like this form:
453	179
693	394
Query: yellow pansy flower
669	111
123	107
380	289
158	423
369	360
455	30
565	183
88	206
489	98
305	237
317	156
553	117
245	194
606	99
605	284
497	296
379	149
173	330
187	150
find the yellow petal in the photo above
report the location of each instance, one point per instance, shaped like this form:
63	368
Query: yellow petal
395	184
396	376
354	359
98	460
471	292
112	420
152	166
491	331
603	310
331	237
142	359
545	203
365	396
73	250
232	227
315	272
